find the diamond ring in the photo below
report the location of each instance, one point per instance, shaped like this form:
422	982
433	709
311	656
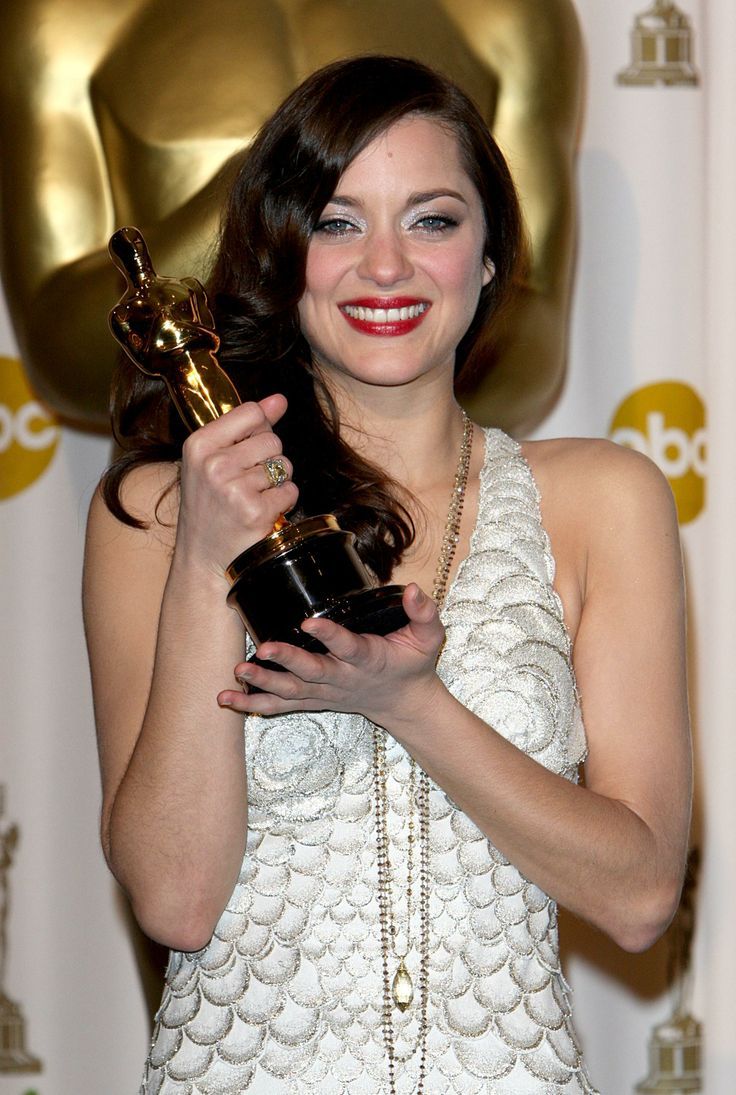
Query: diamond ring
275	470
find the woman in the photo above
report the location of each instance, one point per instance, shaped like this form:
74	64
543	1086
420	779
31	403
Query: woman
408	802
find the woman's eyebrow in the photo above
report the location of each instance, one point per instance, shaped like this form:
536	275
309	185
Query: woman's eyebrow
421	197
429	195
343	199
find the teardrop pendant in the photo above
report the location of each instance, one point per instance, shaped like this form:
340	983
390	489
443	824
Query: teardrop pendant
402	987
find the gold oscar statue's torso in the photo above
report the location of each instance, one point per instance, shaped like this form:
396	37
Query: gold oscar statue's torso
150	124
132	111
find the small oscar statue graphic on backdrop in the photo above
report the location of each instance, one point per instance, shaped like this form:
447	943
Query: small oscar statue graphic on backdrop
675	1045
13	1055
661	49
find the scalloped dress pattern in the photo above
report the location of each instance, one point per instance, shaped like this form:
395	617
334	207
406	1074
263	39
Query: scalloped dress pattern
287	995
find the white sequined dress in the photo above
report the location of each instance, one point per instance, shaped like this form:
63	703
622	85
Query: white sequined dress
287	996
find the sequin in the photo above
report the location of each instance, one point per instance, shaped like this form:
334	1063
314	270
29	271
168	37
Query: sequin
286	998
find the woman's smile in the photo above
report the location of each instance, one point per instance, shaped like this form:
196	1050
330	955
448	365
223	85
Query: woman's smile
388	317
395	264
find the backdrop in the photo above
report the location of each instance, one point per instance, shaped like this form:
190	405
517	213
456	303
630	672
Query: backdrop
651	364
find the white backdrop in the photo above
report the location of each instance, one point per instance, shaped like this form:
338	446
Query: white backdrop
653	333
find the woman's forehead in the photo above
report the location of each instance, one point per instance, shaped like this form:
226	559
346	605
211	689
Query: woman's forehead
418	150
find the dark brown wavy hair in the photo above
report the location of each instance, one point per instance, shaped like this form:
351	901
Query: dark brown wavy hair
288	175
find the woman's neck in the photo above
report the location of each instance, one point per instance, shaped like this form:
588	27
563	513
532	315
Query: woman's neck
413	435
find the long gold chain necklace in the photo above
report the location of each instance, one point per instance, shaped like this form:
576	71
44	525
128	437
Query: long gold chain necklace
398	990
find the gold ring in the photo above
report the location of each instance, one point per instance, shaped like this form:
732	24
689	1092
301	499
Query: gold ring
275	470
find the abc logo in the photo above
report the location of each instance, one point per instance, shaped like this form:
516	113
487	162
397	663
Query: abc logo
29	435
667	422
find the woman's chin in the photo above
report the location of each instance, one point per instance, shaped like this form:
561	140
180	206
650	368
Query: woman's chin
379	370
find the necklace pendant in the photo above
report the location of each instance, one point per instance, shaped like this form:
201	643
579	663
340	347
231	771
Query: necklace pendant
402	987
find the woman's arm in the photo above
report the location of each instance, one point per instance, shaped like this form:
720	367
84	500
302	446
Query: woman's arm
161	641
612	851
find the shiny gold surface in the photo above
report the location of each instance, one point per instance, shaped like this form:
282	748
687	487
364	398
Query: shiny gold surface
166	328
132	111
284	536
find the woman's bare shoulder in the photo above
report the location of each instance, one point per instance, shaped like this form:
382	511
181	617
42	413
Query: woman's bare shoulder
577	473
604	505
149	494
572	450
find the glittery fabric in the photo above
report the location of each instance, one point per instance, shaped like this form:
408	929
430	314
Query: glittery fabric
287	995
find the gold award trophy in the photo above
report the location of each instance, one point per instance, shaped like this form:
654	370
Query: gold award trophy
302	569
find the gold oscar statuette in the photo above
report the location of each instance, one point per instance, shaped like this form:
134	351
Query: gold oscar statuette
301	569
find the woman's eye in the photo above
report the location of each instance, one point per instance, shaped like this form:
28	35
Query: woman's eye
334	226
435	222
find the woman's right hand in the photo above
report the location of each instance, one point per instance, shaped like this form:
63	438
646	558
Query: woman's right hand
227	503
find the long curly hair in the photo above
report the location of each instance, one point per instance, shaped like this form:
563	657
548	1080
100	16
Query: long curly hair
288	175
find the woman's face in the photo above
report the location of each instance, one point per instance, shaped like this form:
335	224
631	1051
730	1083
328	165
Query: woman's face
395	264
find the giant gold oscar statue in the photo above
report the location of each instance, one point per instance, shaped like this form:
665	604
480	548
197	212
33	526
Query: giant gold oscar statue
134	111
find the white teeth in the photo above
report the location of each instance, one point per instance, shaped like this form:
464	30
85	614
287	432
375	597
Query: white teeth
385	315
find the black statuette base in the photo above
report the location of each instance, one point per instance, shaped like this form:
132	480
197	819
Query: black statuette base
369	612
314	572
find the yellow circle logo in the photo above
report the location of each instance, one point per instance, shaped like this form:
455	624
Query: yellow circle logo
29	434
667	422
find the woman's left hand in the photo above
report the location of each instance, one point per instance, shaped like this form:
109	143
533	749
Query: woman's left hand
387	679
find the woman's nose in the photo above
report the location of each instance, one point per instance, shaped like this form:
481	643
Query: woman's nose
385	260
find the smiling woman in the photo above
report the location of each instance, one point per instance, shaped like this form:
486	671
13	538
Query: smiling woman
405	215
360	889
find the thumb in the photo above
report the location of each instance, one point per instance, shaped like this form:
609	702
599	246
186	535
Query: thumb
273	406
424	619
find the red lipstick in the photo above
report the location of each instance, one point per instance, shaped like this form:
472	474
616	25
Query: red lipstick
385	316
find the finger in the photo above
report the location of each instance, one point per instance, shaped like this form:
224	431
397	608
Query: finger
263	703
306	666
238	701
262	449
257	476
244	464
424	618
274	407
275	501
259	703
266	411
343	644
242	422
284	684
276	470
